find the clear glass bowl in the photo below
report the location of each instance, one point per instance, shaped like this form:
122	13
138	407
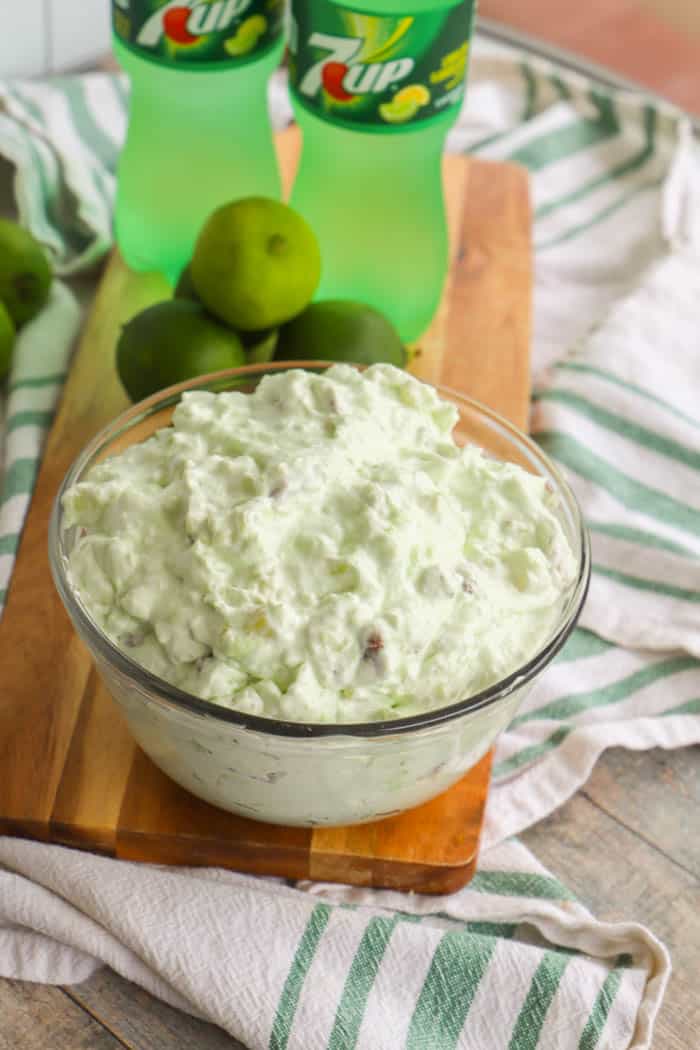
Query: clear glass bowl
294	772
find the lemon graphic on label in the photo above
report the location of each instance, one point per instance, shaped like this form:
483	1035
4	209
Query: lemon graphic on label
416	93
246	36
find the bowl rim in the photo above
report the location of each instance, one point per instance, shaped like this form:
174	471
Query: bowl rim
171	695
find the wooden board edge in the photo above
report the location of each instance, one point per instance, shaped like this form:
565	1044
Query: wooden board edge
253	859
458	812
393	875
295	864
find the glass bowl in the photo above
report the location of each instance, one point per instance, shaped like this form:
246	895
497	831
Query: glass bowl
299	773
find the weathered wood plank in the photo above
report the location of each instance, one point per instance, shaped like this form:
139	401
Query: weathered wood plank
41	1017
657	795
621	876
640	44
141	1022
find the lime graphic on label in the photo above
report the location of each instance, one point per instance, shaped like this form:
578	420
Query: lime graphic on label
246	36
396	112
405	104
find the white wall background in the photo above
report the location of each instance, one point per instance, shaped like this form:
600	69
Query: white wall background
51	36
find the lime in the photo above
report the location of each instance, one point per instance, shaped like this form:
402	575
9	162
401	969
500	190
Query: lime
171	342
25	275
256	263
260	346
185	289
7	340
340	330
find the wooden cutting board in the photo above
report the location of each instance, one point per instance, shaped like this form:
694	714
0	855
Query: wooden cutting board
69	770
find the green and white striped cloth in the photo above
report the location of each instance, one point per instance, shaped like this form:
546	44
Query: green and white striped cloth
512	961
26	410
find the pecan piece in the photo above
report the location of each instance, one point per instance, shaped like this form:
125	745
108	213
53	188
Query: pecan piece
373	654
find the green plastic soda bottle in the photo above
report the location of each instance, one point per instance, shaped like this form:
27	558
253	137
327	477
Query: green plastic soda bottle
376	86
199	130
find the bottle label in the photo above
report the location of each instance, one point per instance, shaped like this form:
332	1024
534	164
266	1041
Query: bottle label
378	72
198	33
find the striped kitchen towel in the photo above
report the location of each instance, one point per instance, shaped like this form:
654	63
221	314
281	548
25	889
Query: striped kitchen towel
39	366
511	961
616	192
63	138
619	414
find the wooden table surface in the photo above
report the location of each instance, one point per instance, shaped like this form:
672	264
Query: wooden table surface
626	36
626	844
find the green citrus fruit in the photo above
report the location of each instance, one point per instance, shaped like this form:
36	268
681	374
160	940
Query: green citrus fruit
259	346
256	263
7	340
185	289
171	342
25	275
339	330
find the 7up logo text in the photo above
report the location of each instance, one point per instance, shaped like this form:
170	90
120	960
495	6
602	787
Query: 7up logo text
186	21
199	33
342	77
385	72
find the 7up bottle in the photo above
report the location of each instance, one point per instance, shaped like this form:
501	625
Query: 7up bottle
199	131
376	85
